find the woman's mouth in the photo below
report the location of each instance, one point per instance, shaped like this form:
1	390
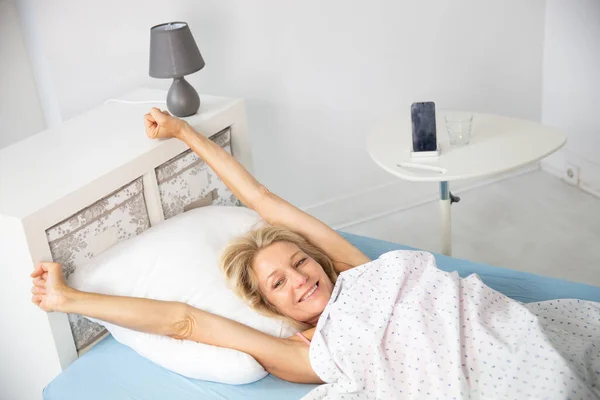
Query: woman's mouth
310	292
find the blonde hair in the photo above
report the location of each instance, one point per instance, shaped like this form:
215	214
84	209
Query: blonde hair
238	258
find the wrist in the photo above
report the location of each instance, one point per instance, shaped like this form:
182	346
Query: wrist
185	132
68	299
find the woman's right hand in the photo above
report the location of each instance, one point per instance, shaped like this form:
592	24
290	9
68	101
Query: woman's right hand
162	125
50	290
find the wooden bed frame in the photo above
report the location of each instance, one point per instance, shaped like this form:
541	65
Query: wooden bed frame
67	194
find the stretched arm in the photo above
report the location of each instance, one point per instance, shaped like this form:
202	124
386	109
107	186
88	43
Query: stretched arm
269	206
284	358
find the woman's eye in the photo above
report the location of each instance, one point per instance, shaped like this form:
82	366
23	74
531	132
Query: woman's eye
278	283
300	262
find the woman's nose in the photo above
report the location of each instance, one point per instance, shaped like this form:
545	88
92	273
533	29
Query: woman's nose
299	279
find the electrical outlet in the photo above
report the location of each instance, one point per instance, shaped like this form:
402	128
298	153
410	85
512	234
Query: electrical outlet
571	174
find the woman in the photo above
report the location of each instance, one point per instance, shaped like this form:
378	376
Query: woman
287	269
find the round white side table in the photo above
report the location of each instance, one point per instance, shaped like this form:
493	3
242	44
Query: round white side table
498	144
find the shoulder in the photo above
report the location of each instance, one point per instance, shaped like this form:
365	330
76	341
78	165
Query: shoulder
308	334
293	364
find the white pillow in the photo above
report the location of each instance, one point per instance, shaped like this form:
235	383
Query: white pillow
177	260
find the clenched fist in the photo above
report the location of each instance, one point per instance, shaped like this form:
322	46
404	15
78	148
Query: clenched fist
162	125
50	290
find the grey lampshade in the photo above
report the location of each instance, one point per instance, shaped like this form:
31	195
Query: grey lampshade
173	51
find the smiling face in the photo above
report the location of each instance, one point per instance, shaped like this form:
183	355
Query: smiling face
292	281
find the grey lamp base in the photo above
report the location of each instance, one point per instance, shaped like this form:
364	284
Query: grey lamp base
182	99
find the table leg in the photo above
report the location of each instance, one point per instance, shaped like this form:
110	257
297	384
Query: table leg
445	219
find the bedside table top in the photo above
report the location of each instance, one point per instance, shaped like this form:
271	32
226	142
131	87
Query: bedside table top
498	144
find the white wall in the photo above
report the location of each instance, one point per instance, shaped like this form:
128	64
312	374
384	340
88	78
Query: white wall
20	112
25	335
316	74
571	86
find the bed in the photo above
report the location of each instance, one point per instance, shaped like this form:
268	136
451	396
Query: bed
103	184
113	371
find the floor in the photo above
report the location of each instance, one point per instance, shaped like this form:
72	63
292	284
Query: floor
534	222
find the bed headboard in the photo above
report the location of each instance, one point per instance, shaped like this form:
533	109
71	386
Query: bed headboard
69	193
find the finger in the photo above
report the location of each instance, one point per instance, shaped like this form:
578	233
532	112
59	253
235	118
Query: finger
36	299
49	266
165	112
45	276
152	132
37	271
156	113
39	282
54	268
38	290
147	120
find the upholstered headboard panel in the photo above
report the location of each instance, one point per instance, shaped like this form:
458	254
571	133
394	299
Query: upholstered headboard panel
186	182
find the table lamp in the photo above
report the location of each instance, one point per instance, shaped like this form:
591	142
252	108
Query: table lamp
174	54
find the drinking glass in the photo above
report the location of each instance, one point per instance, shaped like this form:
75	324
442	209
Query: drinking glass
459	126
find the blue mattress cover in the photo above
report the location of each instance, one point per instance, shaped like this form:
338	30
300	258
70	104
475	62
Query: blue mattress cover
113	371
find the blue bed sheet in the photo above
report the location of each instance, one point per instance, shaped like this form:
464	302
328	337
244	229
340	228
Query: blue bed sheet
113	371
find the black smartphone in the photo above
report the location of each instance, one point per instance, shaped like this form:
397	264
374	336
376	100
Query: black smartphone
424	136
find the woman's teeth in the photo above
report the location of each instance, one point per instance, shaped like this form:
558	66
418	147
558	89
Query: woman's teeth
307	295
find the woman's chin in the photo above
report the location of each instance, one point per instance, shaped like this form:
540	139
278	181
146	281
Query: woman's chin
316	309
310	310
